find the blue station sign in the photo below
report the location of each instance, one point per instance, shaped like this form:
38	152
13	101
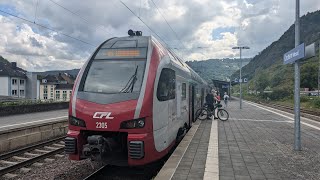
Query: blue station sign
294	54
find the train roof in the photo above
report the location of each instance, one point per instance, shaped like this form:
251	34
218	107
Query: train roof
143	42
127	42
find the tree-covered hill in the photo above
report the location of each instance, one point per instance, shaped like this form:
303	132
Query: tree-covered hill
267	68
218	69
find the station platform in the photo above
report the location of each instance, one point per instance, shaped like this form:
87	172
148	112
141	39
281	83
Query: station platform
22	120
255	143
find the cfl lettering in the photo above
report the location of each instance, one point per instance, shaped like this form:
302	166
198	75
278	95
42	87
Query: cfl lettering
100	115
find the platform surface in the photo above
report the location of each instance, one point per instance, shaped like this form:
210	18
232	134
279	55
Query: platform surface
255	143
21	120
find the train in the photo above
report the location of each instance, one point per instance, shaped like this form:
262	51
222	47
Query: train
132	101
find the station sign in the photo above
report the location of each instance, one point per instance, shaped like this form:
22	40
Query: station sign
294	54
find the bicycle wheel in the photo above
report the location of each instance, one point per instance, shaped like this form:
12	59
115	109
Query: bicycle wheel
202	114
223	115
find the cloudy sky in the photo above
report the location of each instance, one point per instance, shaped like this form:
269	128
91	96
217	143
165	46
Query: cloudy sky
75	28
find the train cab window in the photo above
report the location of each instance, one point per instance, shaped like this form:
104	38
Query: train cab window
167	85
184	91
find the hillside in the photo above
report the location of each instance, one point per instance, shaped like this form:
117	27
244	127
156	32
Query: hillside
218	69
267	68
73	72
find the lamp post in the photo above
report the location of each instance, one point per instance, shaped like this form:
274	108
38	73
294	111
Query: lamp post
240	80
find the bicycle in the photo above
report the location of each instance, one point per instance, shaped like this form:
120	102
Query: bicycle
205	112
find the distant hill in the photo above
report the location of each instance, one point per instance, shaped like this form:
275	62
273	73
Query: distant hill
73	72
268	68
218	69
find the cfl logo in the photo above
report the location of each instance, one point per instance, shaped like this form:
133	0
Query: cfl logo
100	115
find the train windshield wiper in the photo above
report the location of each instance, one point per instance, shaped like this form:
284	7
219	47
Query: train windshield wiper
130	84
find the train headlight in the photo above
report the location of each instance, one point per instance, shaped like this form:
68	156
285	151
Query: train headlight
133	124
76	122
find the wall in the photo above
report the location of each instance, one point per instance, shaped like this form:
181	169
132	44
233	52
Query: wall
4	88
11	139
22	109
31	86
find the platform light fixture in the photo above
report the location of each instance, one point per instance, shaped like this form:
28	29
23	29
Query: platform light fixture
240	79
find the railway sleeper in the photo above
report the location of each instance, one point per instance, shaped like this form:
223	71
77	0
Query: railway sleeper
20	158
9	163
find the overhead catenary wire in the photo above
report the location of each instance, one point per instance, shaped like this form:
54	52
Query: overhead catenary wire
174	32
79	16
35	11
45	27
144	23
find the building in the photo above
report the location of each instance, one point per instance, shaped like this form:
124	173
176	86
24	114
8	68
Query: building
56	87
32	86
13	80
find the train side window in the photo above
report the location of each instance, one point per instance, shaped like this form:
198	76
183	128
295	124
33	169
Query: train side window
167	85
184	91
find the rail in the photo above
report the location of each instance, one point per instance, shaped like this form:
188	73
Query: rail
55	148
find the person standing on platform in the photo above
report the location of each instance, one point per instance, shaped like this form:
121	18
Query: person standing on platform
209	101
217	101
226	98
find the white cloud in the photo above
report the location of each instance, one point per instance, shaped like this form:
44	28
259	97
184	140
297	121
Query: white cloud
256	23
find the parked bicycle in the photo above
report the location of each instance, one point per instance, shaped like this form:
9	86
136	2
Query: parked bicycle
205	112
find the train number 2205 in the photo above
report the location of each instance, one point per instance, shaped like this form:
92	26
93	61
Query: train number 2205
101	125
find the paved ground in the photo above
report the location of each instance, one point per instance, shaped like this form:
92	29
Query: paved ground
31	118
192	165
255	143
258	144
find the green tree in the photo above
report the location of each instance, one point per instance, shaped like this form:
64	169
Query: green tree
262	82
309	75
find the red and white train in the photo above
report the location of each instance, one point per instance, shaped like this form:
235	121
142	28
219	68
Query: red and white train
131	102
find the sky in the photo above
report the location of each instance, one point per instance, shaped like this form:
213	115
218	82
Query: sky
63	34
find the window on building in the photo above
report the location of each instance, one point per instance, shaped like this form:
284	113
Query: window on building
51	94
21	81
21	92
64	95
45	91
45	87
14	93
14	81
45	97
184	91
167	85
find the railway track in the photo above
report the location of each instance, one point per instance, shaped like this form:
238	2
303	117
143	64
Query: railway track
314	115
20	158
146	172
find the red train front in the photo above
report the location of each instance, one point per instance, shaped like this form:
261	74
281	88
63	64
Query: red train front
112	113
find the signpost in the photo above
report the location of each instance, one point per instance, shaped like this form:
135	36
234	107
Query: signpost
294	54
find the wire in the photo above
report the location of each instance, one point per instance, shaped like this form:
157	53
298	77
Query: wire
144	23
35	12
45	27
167	22
76	14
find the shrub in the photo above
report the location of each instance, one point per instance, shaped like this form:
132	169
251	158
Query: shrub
316	102
304	99
279	94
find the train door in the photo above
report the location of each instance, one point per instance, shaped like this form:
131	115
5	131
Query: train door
184	103
191	103
202	96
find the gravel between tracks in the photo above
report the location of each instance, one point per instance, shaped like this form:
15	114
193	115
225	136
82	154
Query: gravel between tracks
61	169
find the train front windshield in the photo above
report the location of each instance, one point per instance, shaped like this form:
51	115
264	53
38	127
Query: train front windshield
115	76
116	71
